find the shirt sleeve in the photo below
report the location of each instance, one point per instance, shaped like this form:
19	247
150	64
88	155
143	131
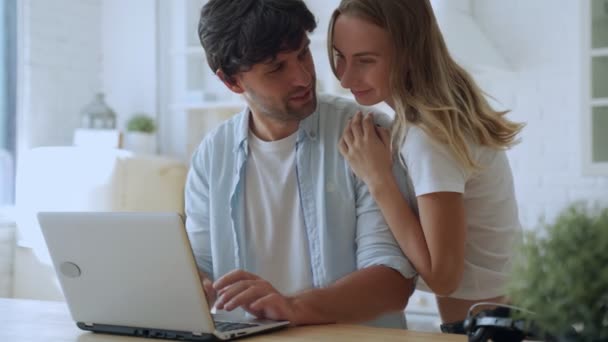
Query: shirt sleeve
197	212
376	244
431	165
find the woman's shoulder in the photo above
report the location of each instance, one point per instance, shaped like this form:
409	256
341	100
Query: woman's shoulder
418	140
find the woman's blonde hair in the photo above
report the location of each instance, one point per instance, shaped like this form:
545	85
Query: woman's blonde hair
429	89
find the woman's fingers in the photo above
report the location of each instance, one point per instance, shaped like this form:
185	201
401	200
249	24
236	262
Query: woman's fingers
385	135
356	125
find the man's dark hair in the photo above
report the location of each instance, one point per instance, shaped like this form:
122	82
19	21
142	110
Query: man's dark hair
236	34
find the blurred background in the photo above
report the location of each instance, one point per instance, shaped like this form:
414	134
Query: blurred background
103	101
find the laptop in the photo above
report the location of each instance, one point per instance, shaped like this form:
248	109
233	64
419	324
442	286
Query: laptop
134	274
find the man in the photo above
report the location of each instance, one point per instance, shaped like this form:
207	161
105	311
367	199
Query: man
274	214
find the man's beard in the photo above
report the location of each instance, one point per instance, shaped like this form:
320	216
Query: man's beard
285	112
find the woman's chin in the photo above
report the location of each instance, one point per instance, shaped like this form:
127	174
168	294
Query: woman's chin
367	101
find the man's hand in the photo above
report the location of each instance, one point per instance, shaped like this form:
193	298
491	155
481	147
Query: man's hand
208	287
255	295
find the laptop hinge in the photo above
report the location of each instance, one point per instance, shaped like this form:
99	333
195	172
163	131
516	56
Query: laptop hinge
88	324
197	333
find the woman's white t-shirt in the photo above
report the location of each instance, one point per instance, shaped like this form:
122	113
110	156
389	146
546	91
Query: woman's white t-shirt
493	226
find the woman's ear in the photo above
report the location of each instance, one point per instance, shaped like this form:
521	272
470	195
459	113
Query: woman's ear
230	82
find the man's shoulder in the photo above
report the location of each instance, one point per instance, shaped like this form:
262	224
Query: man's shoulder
334	112
337	104
331	106
223	136
226	128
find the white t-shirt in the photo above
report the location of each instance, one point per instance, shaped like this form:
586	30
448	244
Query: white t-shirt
493	225
275	235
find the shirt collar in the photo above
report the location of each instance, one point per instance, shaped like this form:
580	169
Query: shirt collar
242	130
308	128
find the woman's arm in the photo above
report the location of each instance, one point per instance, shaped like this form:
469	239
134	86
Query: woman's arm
435	243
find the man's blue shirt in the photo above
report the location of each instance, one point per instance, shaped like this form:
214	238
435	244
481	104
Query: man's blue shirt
345	228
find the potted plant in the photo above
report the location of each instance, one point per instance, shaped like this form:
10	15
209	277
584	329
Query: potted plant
561	276
140	136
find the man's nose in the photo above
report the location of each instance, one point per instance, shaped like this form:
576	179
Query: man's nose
302	75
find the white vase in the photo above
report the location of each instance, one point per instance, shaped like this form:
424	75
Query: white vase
141	143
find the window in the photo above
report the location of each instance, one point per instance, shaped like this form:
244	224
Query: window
595	85
8	67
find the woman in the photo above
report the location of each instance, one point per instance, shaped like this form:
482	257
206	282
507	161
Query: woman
461	234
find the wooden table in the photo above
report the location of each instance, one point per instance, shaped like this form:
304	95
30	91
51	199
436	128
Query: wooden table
28	320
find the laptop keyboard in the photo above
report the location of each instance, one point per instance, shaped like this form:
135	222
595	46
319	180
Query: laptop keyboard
229	326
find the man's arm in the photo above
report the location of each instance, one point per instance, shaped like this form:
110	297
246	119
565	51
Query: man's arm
385	279
197	213
360	296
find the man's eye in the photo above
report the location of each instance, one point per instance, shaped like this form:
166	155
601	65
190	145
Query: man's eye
276	69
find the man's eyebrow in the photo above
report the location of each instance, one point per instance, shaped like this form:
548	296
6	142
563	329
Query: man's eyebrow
273	60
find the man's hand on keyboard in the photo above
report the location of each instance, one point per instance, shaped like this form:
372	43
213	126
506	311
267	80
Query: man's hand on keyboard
255	295
210	292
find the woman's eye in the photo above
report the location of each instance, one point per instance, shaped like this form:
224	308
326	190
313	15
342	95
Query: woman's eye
366	61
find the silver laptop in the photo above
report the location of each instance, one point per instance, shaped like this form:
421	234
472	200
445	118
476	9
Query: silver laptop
134	274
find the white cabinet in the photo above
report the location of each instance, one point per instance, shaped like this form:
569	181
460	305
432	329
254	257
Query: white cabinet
595	87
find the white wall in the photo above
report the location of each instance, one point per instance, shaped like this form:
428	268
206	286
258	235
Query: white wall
541	39
129	57
62	68
75	48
